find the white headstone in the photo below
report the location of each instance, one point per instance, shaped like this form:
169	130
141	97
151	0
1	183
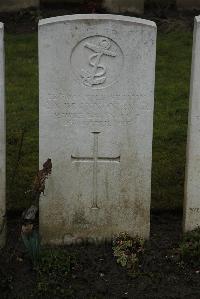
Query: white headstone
192	178
96	124
2	141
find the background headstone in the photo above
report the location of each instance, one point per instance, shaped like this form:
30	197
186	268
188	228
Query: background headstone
2	141
61	1
192	179
188	4
121	6
96	123
17	5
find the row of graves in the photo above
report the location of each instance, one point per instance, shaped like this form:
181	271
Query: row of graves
96	106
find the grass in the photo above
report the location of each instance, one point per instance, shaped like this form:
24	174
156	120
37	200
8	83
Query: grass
22	116
170	121
170	118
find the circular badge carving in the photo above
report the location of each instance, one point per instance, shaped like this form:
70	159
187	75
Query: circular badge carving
97	61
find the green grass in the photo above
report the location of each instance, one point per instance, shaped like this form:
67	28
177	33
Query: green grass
22	116
170	118
170	121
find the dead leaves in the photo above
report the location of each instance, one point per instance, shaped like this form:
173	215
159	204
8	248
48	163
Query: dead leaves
39	182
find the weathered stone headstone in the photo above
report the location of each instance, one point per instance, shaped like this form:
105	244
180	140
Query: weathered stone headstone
2	141
96	123
192	178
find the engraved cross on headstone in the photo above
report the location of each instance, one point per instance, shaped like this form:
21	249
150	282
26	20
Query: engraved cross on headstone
95	160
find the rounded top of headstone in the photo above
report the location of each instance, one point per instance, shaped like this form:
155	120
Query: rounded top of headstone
1	26
60	19
197	19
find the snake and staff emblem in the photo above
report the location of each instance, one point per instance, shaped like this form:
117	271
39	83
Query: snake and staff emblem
97	74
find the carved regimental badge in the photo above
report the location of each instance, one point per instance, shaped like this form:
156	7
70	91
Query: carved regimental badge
97	61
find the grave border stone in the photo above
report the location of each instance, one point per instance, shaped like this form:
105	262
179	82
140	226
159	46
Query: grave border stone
191	208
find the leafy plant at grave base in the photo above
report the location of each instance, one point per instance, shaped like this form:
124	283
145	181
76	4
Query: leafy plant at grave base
189	248
29	234
53	272
128	251
31	242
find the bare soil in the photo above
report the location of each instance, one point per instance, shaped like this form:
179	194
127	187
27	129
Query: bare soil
97	275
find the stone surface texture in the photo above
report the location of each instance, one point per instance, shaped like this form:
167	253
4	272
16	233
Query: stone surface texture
2	141
192	177
96	123
121	6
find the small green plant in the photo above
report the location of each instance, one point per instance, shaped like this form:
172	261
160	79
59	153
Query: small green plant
31	242
53	273
128	251
190	248
29	234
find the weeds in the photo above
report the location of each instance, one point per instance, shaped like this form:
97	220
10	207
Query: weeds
128	251
31	242
30	236
53	273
